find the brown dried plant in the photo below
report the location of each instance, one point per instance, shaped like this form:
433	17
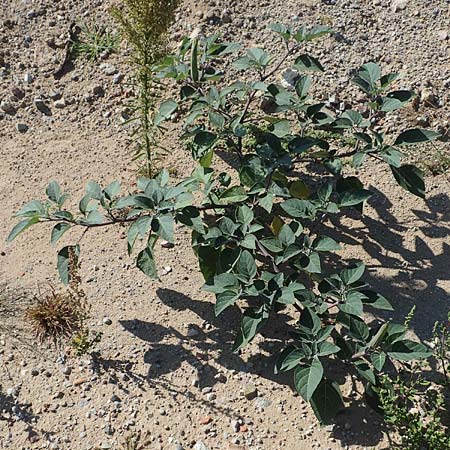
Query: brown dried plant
58	315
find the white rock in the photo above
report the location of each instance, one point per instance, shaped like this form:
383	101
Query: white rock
399	5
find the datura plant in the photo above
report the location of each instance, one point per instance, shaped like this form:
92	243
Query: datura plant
258	227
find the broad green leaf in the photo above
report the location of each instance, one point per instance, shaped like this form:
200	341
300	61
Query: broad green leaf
299	190
354	197
327	348
326	401
266	202
301	144
166	109
288	359
58	230
31	209
407	350
352	274
410	177
302	86
112	190
244	215
20	227
365	371
224	300
308	62
378	359
146	262
306	379
352	306
140	227
165	227
252	171
370	73
376	300
222	283
93	190
234	194
246	266
416	136
325	244
53	191
297	208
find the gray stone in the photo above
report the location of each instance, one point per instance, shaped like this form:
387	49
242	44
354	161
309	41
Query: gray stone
250	391
21	127
7	107
107	321
199	445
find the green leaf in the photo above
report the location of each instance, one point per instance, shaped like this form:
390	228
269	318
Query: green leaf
234	194
407	350
288	359
190	216
308	62
112	190
94	218
93	190
297	208
207	260
354	197
378	360
301	144
53	191
244	215
416	136
302	86
252	171
365	371
353	274
20	227
328	348
146	262
63	261
309	321
352	306
307	379
140	227
31	209
326	401
246	266
266	202
325	244
165	227
370	73
376	300
222	283
252	321
410	177
224	300
58	230
166	109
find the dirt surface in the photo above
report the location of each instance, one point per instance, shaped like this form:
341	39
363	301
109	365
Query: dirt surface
165	366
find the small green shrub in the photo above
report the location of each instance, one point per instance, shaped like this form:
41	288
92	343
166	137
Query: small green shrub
84	341
92	41
416	403
257	229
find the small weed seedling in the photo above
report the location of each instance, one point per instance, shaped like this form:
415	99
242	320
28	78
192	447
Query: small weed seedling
93	41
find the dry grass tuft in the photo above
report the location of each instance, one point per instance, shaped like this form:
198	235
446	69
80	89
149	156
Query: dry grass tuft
55	315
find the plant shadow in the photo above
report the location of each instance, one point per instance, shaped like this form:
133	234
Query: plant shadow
408	275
